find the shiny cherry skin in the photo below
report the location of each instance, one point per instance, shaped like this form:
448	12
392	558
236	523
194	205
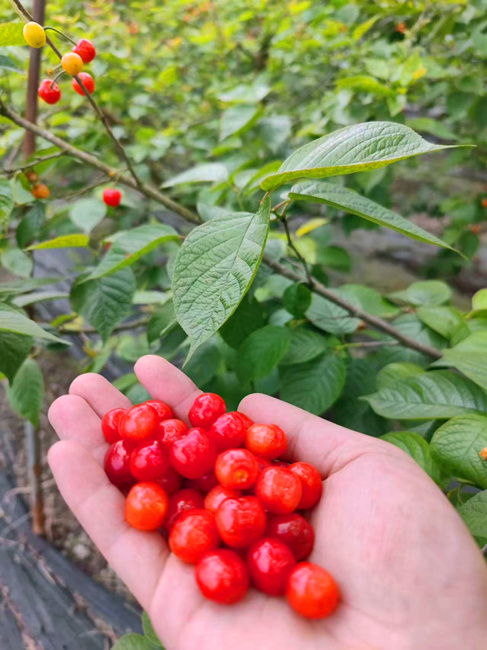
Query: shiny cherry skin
170	481
193	535
204	483
149	461
222	576
229	431
295	532
112	197
270	563
240	521
170	430
193	455
310	483
279	490
110	424
85	49
266	440
117	464
164	411
312	591
181	502
49	91
139	422
246	420
88	82
206	408
217	496
237	469
146	506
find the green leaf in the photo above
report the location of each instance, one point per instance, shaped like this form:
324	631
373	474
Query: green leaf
204	364
315	385
6	63
207	173
306	344
329	317
248	317
356	148
366	84
334	257
106	301
297	299
427	293
14	349
149	632
17	262
417	447
479	302
6	199
30	225
26	394
469	357
369	299
162	322
65	241
131	246
456	446
260	353
38	296
395	371
432	126
11	34
87	213
474	514
349	201
133	642
428	396
12	320
444	320
125	382
214	269
236	119
23	286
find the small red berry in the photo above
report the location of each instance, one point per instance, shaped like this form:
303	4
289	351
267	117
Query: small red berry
117	464
312	591
237	469
279	490
270	563
240	521
310	483
49	91
229	431
149	461
112	197
206	408
266	440
171	482
193	535
203	483
295	532
180	502
146	506
217	496
110	424
222	577
88	82
171	430
41	191
484	203
139	422
85	49
193	455
163	410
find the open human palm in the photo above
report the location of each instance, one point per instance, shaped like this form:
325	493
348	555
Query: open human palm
409	573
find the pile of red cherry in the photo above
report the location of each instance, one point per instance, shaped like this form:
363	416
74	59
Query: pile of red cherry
223	499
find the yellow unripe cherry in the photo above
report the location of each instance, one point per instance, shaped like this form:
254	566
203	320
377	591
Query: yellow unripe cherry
34	34
72	63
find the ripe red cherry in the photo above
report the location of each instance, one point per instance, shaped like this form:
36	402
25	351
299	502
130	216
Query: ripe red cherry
206	408
217	496
312	591
279	490
270	563
237	469
310	483
171	482
88	82
204	483
163	410
85	49
295	532
149	461
229	431
110	424
266	440
181	502
49	91
146	506
112	197
194	455
117	464
246	420
240	521
222	577
171	430
193	535
139	422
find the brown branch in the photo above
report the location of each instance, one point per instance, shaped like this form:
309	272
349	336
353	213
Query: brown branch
33	163
141	322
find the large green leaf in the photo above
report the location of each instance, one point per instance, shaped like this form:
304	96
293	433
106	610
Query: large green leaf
11	34
12	320
417	447
260	353
428	396
332	318
31	223
456	446
6	201
249	316
394	371
208	173
24	286
214	268
26	393
162	322
353	203
474	514
469	357
17	262
306	344
447	321
427	293
64	241
357	148
370	300
14	349
87	213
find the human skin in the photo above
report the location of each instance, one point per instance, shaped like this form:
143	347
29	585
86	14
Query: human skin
411	576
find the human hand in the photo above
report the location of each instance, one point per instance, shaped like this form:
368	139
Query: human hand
411	576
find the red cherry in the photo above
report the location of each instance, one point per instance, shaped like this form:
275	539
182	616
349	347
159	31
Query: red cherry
266	440
279	490
246	420
117	464
270	563
180	502
171	430
146	506
193	535
112	197
484	203
149	461
206	408
229	431
312	591
110	424
240	521
217	496
204	483
85	49
295	532
310	483
194	455
49	91
237	469
171	482
139	422
88	82
222	577
163	410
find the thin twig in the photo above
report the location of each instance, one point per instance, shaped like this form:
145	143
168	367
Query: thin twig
33	163
291	245
84	190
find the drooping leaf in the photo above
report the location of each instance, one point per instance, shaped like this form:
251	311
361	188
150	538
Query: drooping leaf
12	320
332	318
11	34
260	353
64	241
474	514
469	357
14	349
417	447
87	213
26	393
207	173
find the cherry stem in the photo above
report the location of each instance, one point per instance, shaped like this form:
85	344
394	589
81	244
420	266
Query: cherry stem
59	74
53	29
